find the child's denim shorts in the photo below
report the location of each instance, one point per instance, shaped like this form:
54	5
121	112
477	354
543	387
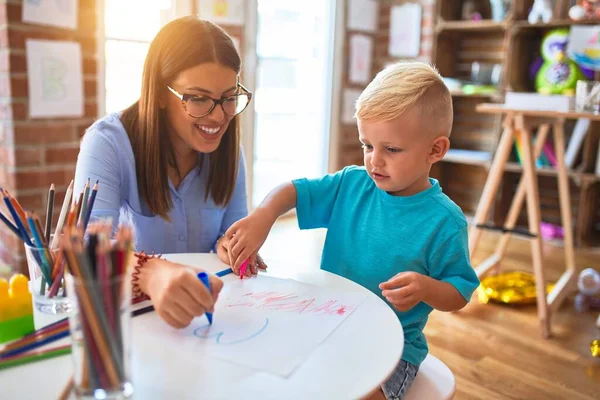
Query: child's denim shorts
401	379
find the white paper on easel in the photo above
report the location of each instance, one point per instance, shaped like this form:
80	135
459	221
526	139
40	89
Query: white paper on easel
362	15
361	56
225	12
405	30
348	104
264	323
55	79
579	131
61	13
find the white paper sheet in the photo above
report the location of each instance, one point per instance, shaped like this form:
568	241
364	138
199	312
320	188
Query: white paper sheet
55	79
226	12
405	30
61	13
362	15
264	323
361	56
583	46
348	104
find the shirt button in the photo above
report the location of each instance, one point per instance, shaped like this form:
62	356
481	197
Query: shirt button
182	237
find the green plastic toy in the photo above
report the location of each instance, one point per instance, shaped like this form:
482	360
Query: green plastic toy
558	74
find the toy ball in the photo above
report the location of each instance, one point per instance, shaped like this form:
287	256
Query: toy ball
588	282
576	13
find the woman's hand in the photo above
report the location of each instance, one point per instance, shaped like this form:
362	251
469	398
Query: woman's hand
177	294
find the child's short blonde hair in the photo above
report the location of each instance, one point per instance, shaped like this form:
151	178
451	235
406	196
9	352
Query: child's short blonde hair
402	86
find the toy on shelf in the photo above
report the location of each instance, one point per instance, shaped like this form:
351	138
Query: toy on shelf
499	9
585	9
16	309
541	11
557	74
472	10
588	284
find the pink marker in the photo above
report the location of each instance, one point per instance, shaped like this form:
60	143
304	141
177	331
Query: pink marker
243	268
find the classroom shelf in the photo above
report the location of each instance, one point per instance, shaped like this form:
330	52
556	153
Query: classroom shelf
471	157
552	24
462	26
545	171
488	96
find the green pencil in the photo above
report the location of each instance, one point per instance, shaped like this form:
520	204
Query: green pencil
37	356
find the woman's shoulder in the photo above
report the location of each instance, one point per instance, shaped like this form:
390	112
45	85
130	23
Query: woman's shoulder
106	133
108	128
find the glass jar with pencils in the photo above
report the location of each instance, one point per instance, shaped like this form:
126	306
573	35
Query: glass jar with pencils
46	277
99	287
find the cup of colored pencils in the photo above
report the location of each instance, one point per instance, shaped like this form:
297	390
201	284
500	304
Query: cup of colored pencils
99	287
45	283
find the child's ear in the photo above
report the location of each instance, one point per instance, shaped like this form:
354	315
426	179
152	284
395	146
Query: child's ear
438	150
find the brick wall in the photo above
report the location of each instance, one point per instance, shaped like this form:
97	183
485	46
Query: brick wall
349	148
37	152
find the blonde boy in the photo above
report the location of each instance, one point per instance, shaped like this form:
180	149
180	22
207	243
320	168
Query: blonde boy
417	256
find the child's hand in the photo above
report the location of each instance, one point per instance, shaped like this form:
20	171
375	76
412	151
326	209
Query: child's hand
177	294
245	238
254	263
405	290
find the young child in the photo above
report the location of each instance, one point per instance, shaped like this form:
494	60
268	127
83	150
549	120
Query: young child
390	227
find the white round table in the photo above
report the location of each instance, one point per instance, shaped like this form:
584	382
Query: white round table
350	363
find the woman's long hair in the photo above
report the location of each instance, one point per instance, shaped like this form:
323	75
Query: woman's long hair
181	44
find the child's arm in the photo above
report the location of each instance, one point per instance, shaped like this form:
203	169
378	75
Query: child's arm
451	282
407	289
246	236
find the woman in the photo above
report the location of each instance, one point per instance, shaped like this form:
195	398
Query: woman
171	165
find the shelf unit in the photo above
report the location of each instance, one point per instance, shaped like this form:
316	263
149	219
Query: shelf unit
514	44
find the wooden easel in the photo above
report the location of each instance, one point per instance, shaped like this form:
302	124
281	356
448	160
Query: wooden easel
522	121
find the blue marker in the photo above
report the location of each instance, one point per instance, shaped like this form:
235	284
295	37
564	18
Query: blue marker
203	276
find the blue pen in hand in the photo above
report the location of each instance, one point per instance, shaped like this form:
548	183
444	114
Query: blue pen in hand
203	276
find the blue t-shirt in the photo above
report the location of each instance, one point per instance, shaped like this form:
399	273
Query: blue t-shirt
195	224
373	235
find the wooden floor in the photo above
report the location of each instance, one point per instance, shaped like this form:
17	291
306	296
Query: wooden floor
494	351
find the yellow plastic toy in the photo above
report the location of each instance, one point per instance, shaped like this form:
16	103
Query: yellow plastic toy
16	309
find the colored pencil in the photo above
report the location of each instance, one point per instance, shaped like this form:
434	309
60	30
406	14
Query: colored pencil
34	345
16	205
35	356
10	225
18	221
45	263
62	217
90	205
86	194
64	394
49	212
79	205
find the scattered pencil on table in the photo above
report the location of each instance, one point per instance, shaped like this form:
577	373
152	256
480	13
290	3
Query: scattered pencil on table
64	394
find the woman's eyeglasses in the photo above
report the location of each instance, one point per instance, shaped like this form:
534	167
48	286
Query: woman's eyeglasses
201	106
